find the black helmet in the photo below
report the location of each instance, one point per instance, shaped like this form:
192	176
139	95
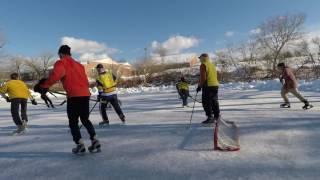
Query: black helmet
281	65
99	66
14	76
64	49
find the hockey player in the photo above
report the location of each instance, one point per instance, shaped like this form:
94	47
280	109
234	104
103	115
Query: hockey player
290	85
18	94
106	83
75	82
183	90
44	96
209	84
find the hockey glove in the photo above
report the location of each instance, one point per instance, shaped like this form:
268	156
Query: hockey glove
198	89
8	99
34	102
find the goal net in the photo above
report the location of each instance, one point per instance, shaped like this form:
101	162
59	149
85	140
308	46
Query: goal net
226	137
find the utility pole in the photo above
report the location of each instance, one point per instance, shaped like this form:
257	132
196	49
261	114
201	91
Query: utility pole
145	53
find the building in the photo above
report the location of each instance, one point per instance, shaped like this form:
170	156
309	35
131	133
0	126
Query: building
123	69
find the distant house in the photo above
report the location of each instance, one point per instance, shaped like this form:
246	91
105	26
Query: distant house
123	69
189	58
194	61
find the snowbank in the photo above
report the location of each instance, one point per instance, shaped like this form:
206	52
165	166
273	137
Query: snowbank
270	85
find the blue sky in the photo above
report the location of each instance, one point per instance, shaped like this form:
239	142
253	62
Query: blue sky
125	27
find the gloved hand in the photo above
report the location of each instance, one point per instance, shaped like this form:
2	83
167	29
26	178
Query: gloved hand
198	89
34	102
8	99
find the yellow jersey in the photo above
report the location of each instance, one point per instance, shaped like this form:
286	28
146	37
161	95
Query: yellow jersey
15	89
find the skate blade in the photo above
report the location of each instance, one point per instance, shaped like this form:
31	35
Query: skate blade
18	134
79	154
311	106
286	107
97	150
208	125
104	125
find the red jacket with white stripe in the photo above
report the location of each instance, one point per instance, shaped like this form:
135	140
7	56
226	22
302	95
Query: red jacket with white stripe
72	75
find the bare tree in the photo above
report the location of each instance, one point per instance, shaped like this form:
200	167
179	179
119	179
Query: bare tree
253	51
146	67
16	64
40	65
47	60
277	32
34	67
316	42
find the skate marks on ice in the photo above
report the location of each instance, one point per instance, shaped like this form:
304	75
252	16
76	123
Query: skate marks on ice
157	144
198	138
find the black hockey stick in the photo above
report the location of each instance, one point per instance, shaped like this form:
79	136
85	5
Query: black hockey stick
194	104
194	99
90	111
64	94
60	104
53	94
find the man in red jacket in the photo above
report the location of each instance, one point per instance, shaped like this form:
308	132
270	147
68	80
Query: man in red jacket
75	82
290	84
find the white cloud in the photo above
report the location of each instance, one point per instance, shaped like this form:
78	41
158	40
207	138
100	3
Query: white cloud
313	34
174	45
229	34
255	31
93	56
88	49
309	37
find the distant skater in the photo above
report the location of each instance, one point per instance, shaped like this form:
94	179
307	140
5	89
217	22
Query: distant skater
107	85
183	91
290	85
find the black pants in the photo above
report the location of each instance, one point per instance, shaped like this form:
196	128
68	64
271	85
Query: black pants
113	100
78	107
184	94
15	106
210	101
47	100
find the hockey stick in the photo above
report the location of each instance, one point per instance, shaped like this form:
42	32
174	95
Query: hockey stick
60	104
56	92
63	102
64	94
194	104
90	111
194	99
53	94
